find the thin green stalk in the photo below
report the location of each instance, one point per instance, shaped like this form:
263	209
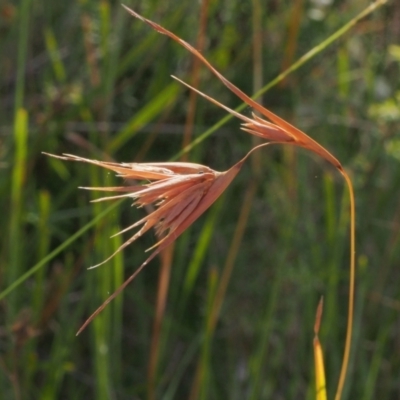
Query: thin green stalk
43	249
112	277
16	207
54	54
20	139
164	98
117	278
23	34
101	285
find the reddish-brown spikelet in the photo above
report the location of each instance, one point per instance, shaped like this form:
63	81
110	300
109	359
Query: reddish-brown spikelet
278	131
180	191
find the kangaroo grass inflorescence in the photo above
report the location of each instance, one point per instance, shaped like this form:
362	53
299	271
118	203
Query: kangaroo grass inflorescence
182	191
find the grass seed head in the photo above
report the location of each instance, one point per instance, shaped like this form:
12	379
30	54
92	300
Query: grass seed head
178	191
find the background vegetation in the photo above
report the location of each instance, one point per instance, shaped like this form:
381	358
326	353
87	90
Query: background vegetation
231	314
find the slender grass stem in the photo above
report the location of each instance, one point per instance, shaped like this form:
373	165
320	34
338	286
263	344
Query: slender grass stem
162	294
350	317
20	139
195	78
23	32
17	202
43	248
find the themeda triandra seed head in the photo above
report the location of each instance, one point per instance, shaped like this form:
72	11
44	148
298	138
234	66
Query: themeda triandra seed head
180	191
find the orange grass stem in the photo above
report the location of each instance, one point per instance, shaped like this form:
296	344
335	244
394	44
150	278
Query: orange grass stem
195	77
162	293
349	332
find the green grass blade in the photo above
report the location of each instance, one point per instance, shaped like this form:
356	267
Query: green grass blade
144	116
17	203
54	53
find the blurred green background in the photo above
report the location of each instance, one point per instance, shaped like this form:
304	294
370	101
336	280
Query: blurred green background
231	315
